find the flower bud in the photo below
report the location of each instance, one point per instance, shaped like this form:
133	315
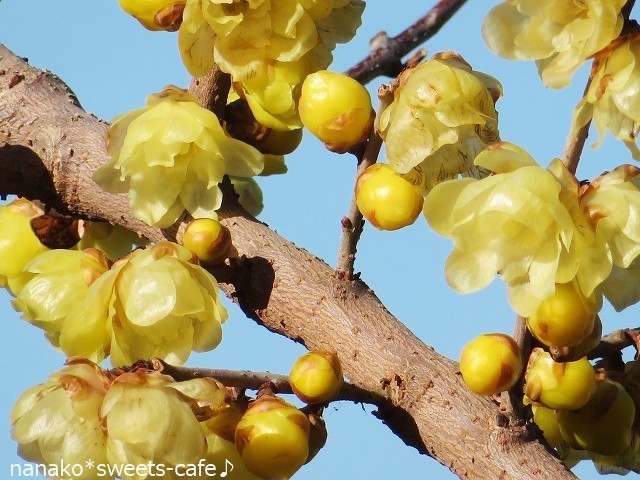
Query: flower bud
18	243
560	386
272	438
156	14
564	319
571	354
316	377
336	109
491	363
386	199
208	239
603	424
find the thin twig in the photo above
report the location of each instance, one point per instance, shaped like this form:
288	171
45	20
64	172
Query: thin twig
386	53
254	380
212	90
615	342
512	399
576	140
353	223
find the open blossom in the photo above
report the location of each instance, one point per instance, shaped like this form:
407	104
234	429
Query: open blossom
58	421
612	99
149	421
537	227
267	47
59	281
155	302
612	203
170	157
558	35
443	114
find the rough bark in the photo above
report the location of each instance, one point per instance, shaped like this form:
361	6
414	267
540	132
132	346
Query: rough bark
49	148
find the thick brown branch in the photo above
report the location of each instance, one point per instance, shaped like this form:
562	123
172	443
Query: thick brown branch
287	290
387	53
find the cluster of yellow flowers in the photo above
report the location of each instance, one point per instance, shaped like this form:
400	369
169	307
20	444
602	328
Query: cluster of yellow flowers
443	114
156	301
128	422
170	157
559	36
538	227
268	47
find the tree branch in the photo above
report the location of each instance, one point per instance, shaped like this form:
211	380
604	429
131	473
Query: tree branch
284	288
615	342
254	380
386	53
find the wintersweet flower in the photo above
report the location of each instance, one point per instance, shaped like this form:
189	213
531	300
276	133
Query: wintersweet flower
559	36
18	243
170	157
148	421
612	100
443	114
115	241
58	420
59	281
267	47
612	203
159	305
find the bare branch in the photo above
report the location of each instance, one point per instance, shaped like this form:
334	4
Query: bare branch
387	53
254	380
615	342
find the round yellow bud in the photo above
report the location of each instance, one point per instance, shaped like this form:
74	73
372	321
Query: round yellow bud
336	109
386	199
571	354
491	363
208	239
272	438
316	377
564	319
561	386
156	14
604	424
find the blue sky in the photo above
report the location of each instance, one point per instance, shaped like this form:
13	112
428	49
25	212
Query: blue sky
112	64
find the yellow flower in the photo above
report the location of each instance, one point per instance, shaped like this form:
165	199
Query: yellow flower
57	422
442	116
513	223
558	35
611	98
115	241
220	432
148	421
267	47
159	305
612	203
170	156
58	286
18	243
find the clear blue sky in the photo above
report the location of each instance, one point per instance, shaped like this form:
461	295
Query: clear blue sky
112	64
